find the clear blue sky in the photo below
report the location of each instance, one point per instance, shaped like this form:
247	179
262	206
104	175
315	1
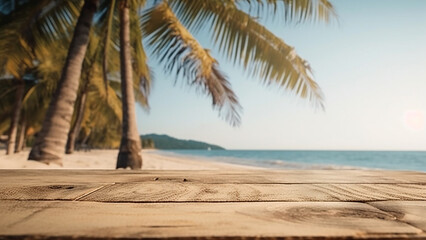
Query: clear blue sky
371	66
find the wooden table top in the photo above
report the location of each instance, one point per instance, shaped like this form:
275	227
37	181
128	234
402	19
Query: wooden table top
247	204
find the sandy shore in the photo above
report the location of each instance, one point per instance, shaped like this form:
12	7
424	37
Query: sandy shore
106	159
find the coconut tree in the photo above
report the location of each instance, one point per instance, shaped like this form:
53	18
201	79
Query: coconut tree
130	147
33	23
50	143
79	114
134	71
15	62
89	66
98	112
24	26
20	145
39	71
96	98
47	77
166	26
102	112
20	88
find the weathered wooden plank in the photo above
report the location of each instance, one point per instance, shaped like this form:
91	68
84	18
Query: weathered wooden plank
196	192
412	212
198	220
260	177
15	191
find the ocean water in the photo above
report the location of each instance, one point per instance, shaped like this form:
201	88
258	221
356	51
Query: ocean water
285	159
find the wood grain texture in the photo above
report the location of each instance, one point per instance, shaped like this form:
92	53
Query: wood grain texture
312	204
220	177
412	212
196	192
52	191
200	220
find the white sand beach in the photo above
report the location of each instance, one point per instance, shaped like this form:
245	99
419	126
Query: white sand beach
106	159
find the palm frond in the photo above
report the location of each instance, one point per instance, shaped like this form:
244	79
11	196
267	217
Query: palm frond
194	16
107	41
17	55
102	122
249	44
309	10
292	10
32	24
55	21
183	55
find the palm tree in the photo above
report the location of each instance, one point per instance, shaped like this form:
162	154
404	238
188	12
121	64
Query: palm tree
38	71
102	120
134	73
20	145
50	143
79	114
130	146
94	91
16	61
20	88
236	32
89	66
20	38
167	27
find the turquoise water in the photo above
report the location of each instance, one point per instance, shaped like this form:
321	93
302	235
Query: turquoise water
283	159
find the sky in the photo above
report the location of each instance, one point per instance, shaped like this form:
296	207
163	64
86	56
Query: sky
370	65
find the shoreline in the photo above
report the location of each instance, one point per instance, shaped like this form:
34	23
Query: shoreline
106	159
154	159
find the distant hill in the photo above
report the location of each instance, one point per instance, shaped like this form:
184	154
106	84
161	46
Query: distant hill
167	142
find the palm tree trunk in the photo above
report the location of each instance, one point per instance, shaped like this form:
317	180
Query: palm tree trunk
130	146
86	138
50	143
24	138
15	117
21	140
75	130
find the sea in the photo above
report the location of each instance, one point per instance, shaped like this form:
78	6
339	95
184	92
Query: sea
298	159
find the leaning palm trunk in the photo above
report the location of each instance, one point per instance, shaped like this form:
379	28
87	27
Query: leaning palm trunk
50	143
73	134
15	117
130	146
21	139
